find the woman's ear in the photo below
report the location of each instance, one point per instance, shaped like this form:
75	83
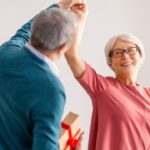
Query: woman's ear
111	66
141	62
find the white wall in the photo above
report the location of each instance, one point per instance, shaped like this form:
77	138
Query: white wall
105	19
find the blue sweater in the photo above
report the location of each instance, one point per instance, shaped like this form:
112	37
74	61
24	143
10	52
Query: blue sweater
32	98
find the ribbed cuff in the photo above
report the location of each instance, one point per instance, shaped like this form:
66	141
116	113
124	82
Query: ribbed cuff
54	6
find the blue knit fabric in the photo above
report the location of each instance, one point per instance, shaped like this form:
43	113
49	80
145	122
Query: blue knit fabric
32	98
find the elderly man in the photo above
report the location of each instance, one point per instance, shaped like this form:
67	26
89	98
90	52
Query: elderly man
32	97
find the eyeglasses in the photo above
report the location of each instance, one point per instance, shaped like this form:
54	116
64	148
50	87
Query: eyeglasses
120	52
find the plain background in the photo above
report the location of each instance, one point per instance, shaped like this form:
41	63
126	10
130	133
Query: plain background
105	19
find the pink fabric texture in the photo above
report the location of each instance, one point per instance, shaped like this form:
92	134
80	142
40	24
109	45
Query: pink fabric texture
121	113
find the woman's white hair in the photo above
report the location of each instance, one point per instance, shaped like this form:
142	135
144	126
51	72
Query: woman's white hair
53	28
128	37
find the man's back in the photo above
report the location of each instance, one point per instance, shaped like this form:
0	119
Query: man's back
31	100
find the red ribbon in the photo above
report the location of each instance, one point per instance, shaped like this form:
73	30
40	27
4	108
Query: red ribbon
72	142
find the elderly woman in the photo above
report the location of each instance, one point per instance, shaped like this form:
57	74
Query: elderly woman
121	106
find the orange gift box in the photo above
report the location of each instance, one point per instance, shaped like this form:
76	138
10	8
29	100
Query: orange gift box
70	132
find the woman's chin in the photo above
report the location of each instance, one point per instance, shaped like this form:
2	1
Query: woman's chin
127	73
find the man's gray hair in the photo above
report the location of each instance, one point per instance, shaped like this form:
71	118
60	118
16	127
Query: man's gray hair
52	28
128	37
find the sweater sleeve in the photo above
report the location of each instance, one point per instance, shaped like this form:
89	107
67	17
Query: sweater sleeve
46	117
23	35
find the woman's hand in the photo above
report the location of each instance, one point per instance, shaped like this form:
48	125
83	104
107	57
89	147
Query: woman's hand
67	4
80	10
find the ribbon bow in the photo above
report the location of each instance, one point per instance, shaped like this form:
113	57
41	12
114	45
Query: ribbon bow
72	142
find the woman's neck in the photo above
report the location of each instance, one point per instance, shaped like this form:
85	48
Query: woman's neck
127	80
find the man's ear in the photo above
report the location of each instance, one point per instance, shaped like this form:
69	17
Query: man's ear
61	49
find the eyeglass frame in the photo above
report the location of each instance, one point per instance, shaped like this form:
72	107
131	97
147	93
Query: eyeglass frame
123	51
